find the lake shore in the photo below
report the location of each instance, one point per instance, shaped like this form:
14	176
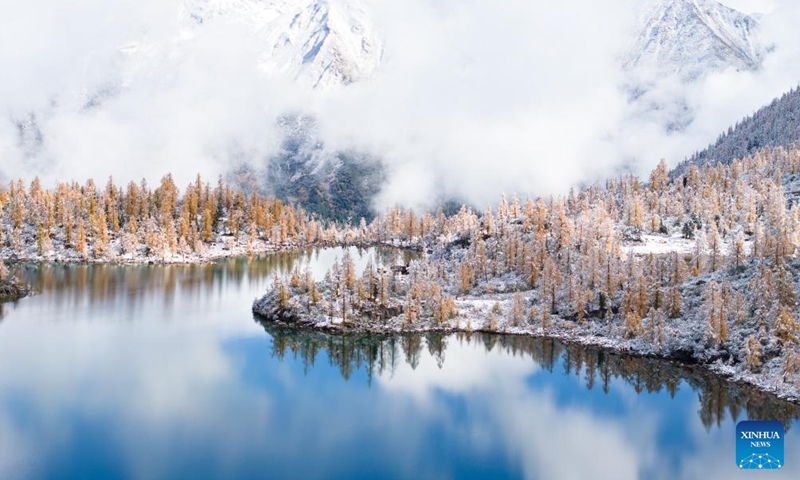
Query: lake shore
10	290
475	317
211	253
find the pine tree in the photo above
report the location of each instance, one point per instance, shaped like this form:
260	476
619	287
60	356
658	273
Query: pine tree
714	243
656	332
467	277
633	323
517	313
737	254
413	302
752	352
787	327
101	236
492	321
546	320
208	225
42	240
792	366
716	314
738	308
283	294
384	290
659	178
80	241
349	270
445	309
548	284
294	278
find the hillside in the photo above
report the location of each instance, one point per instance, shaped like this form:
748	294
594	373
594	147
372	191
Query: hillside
774	125
701	269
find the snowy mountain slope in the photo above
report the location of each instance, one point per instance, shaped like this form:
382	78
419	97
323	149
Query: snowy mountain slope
691	38
320	43
315	43
774	125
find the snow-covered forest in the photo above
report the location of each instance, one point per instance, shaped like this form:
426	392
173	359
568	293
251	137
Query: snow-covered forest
771	126
138	224
700	267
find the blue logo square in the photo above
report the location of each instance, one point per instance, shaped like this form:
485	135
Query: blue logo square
759	445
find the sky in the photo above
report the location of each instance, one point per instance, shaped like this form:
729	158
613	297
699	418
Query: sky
472	99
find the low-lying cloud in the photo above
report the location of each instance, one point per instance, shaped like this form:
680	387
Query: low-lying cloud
473	98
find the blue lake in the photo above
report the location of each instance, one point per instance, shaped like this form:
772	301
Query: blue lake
151	372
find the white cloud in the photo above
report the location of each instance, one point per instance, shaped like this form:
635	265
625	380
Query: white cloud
531	422
474	97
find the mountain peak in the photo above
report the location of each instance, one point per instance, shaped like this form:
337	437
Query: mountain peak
319	43
691	38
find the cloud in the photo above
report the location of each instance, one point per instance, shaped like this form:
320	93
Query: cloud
530	422
473	98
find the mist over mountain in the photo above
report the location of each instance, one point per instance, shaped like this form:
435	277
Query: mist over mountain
414	103
774	125
316	43
679	45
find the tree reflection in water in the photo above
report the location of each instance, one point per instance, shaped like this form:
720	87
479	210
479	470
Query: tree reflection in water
68	284
378	354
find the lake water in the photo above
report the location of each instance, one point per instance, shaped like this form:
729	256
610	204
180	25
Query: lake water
151	372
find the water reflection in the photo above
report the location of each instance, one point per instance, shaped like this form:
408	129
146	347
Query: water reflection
72	286
379	354
161	372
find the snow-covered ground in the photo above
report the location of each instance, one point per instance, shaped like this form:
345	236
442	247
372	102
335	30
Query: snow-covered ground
660	244
479	314
223	246
491	303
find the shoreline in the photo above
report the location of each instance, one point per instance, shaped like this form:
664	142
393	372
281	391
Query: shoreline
216	253
682	358
11	291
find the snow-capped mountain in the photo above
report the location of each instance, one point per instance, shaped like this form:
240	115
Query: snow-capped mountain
691	38
320	43
316	43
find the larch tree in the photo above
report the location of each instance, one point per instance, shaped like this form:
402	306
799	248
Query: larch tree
467	277
349	270
517	312
548	284
715	312
715	246
792	366
632	322
659	178
546	317
655	328
752	354
80	240
738	254
786	328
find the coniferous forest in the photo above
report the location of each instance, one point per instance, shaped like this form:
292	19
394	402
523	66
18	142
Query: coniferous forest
700	266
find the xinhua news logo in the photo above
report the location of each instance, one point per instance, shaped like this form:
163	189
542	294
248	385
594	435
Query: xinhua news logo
759	445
